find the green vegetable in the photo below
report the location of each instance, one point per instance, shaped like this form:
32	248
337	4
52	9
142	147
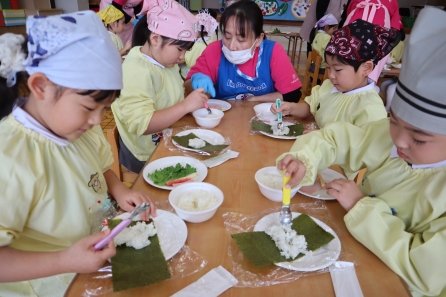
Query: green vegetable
283	8
161	176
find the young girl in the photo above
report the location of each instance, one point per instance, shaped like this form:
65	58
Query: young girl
348	95
243	64
55	159
325	28
208	25
113	20
152	98
399	211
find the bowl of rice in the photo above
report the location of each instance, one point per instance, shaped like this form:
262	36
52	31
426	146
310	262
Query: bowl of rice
269	180
196	202
208	120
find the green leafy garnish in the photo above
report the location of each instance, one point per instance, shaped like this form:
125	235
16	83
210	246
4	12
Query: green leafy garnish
161	176
209	149
295	130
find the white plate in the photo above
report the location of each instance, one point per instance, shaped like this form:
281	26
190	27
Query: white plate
319	259
264	113
315	191
219	104
280	136
202	170
171	230
209	136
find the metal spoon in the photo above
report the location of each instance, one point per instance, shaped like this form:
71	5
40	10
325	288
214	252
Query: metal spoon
279	115
207	107
285	211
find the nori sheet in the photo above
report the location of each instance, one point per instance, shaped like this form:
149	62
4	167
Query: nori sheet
208	148
295	130
133	268
261	250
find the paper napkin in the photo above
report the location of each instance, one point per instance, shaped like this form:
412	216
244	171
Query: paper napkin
220	159
344	279
212	284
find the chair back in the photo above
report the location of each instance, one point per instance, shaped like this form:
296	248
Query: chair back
312	68
112	135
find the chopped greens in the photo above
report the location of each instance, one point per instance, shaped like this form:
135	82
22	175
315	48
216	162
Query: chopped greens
161	176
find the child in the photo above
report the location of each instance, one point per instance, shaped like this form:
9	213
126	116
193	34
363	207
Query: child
325	28
208	25
55	159
384	13
152	98
113	20
243	64
348	95
398	212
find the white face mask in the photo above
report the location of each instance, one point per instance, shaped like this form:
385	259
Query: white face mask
238	57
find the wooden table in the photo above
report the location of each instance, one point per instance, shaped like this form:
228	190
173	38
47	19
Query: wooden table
236	179
292	38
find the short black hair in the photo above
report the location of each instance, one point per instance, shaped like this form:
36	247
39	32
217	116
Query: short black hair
248	17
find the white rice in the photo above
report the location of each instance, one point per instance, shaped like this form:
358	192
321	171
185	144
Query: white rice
196	200
136	236
271	180
196	143
287	241
276	131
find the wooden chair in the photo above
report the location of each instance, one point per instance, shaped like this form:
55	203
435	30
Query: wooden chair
124	175
311	76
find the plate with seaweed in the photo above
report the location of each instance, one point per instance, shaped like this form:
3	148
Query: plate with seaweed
214	143
268	129
166	173
322	241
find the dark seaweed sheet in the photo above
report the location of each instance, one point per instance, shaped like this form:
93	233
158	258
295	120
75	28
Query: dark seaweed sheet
136	268
260	249
208	148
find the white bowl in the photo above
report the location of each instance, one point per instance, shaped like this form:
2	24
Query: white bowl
269	181
264	113
186	200
206	120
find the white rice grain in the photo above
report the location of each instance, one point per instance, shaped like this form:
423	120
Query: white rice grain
136	236
287	241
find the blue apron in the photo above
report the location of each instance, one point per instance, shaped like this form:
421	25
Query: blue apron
233	84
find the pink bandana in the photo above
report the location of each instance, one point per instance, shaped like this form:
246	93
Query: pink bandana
170	19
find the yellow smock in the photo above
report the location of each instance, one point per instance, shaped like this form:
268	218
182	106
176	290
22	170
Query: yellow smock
147	88
402	216
52	196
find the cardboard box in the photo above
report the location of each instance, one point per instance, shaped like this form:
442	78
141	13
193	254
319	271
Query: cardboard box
35	4
43	12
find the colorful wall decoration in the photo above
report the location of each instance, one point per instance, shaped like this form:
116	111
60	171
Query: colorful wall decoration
284	10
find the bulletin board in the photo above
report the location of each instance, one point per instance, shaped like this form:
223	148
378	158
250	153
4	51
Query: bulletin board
284	10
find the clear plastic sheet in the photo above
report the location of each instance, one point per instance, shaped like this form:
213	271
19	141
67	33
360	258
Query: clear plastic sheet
184	263
258	122
207	135
251	276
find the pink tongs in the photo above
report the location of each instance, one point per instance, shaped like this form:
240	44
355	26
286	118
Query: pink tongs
121	226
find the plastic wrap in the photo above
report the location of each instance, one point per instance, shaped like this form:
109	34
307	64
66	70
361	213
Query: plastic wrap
184	263
250	276
216	144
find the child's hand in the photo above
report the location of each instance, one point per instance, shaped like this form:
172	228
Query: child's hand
82	258
195	100
294	168
347	192
286	108
131	198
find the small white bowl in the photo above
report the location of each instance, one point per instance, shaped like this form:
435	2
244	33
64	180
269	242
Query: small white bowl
264	113
206	120
269	181
186	200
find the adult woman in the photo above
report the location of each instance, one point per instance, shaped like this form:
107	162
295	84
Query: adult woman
243	64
